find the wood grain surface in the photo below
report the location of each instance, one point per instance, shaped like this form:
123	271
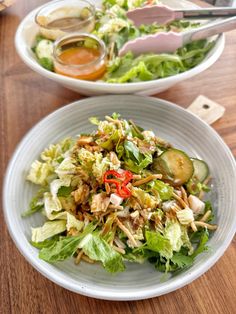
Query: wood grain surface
26	97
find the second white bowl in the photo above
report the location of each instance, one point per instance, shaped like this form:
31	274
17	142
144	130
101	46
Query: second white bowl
28	29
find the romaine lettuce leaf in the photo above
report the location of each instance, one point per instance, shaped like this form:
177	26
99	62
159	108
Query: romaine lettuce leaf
99	250
46	243
158	243
65	247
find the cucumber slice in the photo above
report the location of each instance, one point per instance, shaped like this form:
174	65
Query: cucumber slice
175	166
201	169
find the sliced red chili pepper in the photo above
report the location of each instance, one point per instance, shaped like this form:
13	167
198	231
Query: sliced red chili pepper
123	192
120	180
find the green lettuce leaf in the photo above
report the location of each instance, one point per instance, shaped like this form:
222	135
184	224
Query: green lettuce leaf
135	161
158	243
46	243
36	204
60	250
181	260
99	250
64	191
202	247
164	190
48	230
153	66
65	247
173	233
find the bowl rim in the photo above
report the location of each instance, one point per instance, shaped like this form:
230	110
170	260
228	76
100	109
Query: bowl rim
109	295
34	65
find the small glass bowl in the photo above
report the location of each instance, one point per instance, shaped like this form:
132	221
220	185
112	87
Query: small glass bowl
90	71
57	18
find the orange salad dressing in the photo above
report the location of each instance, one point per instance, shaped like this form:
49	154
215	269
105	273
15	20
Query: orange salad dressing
81	56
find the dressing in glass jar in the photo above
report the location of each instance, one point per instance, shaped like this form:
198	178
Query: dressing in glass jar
57	18
81	56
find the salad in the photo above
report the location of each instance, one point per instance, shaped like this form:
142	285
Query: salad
120	194
115	29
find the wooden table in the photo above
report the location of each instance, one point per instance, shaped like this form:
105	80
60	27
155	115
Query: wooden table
26	97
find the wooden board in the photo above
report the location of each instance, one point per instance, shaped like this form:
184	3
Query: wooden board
25	98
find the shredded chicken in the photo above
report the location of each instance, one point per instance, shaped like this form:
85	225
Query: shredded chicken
81	194
100	202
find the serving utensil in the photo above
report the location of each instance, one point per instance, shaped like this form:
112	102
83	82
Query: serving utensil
162	14
170	41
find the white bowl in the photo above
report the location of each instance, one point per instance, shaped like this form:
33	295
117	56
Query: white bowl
169	121
28	29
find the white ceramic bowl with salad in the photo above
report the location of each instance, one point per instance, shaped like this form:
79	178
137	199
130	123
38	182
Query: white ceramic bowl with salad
150	221
25	40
